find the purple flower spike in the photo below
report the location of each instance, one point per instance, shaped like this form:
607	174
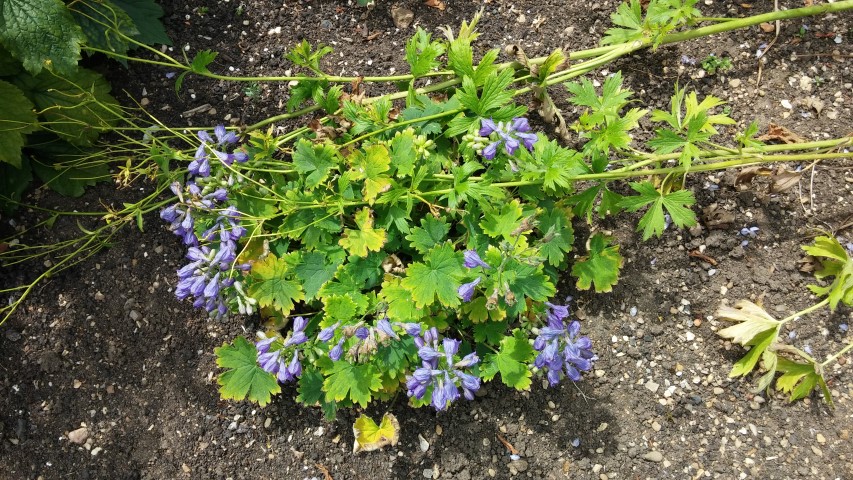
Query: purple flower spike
385	327
466	290
336	352
299	324
511	135
328	333
491	150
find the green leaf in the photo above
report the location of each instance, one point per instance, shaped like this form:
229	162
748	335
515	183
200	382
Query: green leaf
17	119
304	56
369	166
489	332
314	272
600	268
243	377
401	308
101	22
403	153
759	344
511	362
629	16
314	160
310	387
77	106
422	53
352	381
528	281
653	222
146	16
605	107
69	181
557	235
272	284
504	223
42	34
437	277
799	379
366	238
432	232
835	262
394	357
558	165
369	436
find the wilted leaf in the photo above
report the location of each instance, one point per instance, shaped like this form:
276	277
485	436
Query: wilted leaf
781	134
752	321
784	180
369	436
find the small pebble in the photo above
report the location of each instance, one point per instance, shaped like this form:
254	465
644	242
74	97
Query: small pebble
78	436
653	456
423	444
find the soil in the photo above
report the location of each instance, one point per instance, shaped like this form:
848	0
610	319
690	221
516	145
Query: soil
106	347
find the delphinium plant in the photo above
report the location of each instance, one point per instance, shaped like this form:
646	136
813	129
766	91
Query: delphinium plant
411	243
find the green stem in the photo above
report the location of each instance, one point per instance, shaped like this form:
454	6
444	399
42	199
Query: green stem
837	355
806	311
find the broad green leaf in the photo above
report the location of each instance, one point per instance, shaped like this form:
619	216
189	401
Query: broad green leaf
653	222
352	381
313	271
630	17
369	436
557	235
432	232
77	106
559	165
401	308
437	277
42	34
600	268
366	238
69	181
310	387
511	362
101	22
314	160
490	332
17	119
502	224
146	16
272	284
759	344
476	312
369	166
13	182
529	281
243	377
394	357
338	308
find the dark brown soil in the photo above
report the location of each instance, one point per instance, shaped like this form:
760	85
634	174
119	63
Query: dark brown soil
107	346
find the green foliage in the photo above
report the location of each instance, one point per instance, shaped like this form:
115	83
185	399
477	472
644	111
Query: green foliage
437	277
511	361
422	53
243	378
17	119
272	284
600	267
654	222
835	261
662	17
713	64
352	382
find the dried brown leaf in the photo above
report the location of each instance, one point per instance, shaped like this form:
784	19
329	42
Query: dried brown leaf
778	133
747	174
435	4
784	180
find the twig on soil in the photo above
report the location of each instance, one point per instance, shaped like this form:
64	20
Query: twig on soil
703	257
512	450
324	470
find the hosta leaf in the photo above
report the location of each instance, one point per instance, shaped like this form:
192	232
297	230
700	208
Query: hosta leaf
352	381
437	277
369	166
431	233
77	106
243	377
314	160
42	34
600	268
511	362
369	436
17	119
272	284
366	238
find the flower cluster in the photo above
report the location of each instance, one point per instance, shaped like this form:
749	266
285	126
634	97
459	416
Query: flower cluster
279	362
200	166
472	260
212	254
562	352
367	338
441	373
511	135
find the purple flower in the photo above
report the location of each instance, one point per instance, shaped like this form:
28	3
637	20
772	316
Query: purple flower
384	326
441	373
466	290
328	333
338	350
562	351
473	260
511	135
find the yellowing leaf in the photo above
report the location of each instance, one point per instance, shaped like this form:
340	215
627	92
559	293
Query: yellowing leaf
366	238
752	320
369	166
369	436
272	284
